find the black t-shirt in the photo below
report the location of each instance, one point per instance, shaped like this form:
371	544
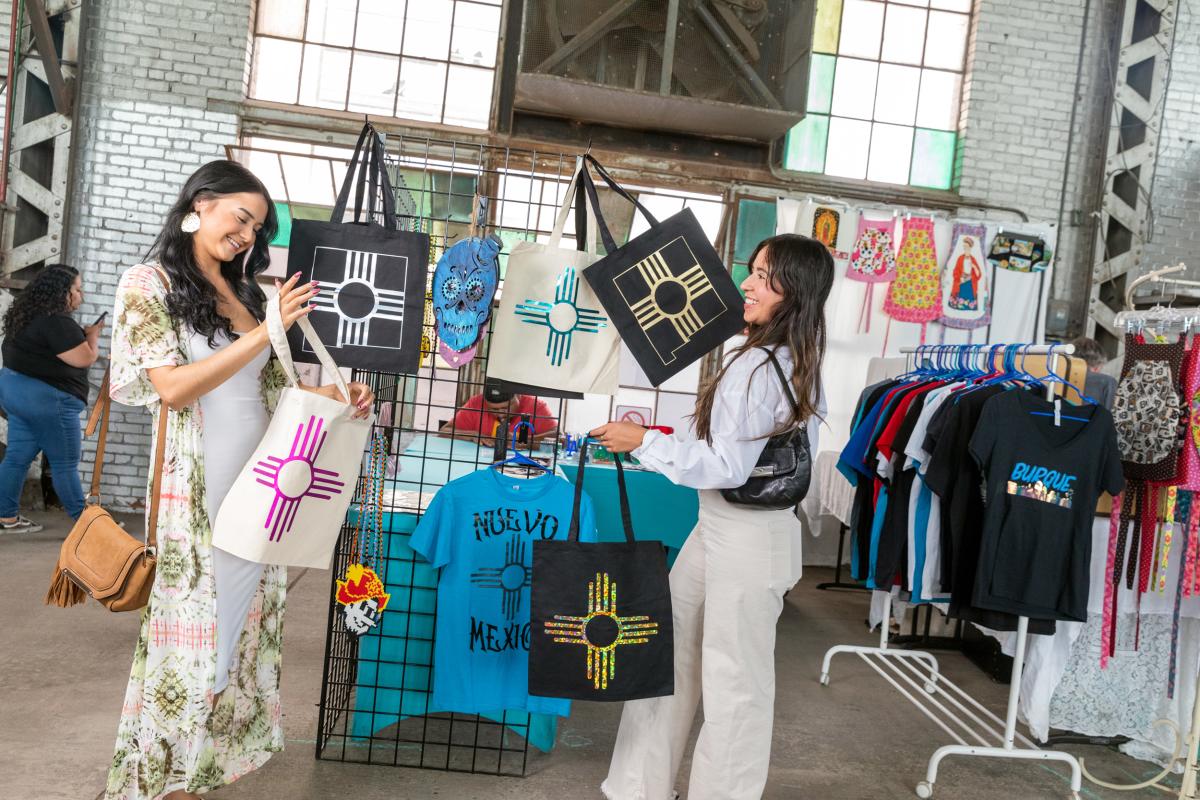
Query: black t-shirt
1043	480
34	350
955	477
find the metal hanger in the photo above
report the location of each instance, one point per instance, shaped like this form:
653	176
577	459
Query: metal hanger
518	458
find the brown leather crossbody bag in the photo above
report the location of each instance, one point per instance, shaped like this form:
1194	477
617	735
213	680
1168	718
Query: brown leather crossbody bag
99	559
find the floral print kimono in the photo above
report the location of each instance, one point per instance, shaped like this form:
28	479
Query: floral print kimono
170	736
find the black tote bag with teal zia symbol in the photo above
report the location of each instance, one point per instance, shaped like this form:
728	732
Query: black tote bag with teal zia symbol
600	619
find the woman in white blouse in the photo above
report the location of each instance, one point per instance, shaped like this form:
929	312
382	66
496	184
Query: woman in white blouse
727	584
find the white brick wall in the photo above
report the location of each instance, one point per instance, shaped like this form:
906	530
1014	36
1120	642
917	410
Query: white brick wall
144	126
1016	120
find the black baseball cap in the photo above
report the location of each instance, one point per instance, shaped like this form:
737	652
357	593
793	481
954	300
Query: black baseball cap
492	393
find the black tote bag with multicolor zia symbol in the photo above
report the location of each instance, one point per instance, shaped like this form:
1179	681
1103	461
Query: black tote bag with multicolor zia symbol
600	619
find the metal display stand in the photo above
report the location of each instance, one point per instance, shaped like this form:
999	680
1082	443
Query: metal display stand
837	582
977	731
376	692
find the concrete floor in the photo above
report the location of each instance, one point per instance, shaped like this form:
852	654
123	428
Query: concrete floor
64	672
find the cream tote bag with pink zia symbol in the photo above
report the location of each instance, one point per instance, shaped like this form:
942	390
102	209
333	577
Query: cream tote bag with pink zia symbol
287	505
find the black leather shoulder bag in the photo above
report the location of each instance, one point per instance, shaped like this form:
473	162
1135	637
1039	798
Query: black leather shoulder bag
781	477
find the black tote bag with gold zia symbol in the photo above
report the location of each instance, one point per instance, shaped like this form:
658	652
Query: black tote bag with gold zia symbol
600	619
666	291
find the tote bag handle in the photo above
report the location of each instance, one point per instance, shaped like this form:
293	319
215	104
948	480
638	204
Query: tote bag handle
279	344
367	171
585	238
626	517
609	243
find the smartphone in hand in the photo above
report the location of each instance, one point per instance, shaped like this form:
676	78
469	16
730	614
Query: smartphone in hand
100	319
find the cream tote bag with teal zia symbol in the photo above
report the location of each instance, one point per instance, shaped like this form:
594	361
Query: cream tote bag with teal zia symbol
551	330
287	505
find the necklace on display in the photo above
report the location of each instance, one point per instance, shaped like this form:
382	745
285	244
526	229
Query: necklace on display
362	593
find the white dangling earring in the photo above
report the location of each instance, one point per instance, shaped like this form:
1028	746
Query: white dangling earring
191	223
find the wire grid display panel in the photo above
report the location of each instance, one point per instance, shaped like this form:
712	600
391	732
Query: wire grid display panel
376	692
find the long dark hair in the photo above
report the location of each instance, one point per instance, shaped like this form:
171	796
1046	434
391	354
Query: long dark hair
800	269
48	293
192	299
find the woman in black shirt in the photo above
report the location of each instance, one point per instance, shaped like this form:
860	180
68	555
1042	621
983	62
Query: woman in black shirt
44	389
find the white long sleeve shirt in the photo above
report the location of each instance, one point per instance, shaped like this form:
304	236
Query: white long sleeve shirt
750	403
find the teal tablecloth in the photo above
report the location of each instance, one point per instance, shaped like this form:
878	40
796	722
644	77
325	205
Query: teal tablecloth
395	659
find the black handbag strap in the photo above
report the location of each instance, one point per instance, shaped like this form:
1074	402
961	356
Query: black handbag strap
787	386
585	177
626	516
367	172
787	390
581	242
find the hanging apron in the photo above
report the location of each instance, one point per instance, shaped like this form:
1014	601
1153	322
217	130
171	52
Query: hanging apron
916	293
872	261
966	299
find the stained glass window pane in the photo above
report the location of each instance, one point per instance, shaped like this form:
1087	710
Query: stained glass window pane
284	234
331	22
276	70
933	159
755	222
904	34
854	88
805	149
427	28
820	83
849	143
827	25
476	31
325	76
862	29
380	25
896	95
468	96
940	99
422	84
946	40
740	273
887	107
891	149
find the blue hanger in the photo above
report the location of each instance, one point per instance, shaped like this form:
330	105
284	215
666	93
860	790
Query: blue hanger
1050	378
517	457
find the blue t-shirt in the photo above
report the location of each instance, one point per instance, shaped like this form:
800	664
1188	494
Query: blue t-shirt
480	531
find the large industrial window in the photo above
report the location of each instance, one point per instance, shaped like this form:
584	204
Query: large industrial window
885	89
426	60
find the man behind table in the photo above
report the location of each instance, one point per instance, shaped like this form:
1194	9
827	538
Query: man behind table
480	416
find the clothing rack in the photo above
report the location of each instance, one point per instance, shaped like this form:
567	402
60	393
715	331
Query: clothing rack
1160	275
837	582
915	674
1183	321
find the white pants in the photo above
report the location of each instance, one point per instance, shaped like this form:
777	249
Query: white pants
727	588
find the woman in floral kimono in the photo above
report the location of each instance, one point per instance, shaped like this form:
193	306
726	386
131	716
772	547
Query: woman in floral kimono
202	706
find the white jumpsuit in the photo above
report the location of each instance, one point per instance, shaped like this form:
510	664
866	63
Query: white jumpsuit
235	420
